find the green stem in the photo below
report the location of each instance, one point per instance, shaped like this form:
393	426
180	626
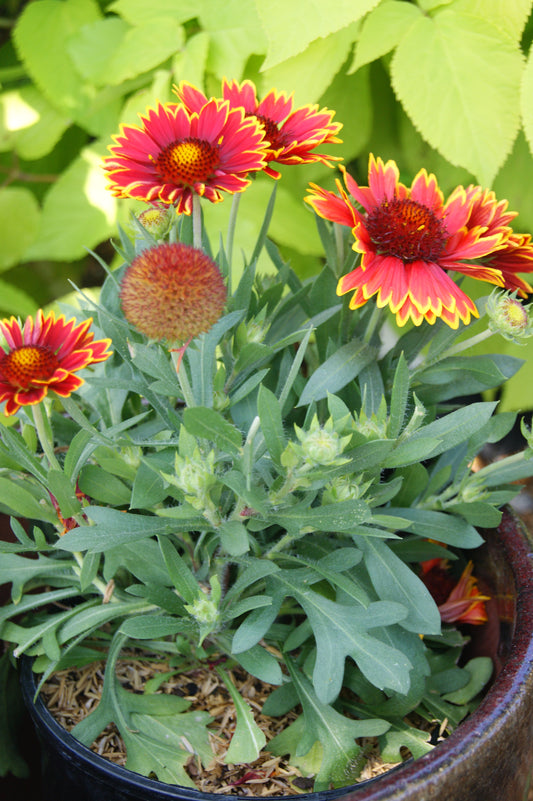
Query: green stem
339	244
196	222
467	343
183	379
376	316
44	432
231	230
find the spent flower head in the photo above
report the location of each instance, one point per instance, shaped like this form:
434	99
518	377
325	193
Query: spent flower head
282	502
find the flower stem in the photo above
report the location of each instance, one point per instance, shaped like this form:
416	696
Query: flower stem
183	378
231	228
196	221
44	432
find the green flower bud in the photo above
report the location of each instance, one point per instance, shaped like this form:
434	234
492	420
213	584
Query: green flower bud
508	317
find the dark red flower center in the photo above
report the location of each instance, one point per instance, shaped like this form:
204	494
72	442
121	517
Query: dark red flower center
26	365
407	229
272	132
187	162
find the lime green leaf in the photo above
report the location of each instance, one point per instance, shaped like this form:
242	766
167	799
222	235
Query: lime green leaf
190	63
139	12
135	52
94	45
509	15
40	35
235	33
527	99
355	117
78	211
15	301
23	503
248	739
29	124
382	29
458	78
309	73
19	224
291	27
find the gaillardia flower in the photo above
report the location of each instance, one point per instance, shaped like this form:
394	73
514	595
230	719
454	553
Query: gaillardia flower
410	239
458	602
176	153
44	355
172	292
292	134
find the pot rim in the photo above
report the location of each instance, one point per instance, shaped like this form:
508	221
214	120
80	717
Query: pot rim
498	705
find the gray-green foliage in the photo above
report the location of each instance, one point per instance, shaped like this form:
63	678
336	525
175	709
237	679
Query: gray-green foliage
273	524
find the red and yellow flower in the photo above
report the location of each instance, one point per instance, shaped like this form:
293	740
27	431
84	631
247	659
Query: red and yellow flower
292	133
176	153
44	355
410	239
458	602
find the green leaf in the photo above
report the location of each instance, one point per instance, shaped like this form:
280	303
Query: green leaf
103	487
526	103
16	301
93	47
340	516
179	572
19	224
163	745
248	739
290	29
138	12
22	503
337	371
400	735
458	78
399	398
261	663
151	627
455	428
234	537
113	528
40	35
480	670
336	733
211	425
235	32
509	15
270	416
395	581
382	29
29	124
64	492
78	211
340	630
439	526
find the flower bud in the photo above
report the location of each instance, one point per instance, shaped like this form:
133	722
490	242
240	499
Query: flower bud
157	221
508	317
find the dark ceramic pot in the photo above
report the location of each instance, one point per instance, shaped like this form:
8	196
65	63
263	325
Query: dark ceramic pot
488	758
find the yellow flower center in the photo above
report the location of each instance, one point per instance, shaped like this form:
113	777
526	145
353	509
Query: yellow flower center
406	229
26	365
514	314
188	161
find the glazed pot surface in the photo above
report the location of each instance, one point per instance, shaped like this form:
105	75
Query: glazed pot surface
488	758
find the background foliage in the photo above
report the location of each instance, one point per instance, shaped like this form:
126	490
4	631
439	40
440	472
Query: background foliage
445	84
